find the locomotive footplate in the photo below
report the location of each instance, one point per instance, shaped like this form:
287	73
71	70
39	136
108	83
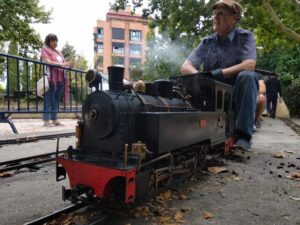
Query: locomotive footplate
102	179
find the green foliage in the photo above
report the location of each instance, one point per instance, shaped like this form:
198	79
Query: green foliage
136	72
292	98
285	62
2	89
184	24
268	34
68	52
282	60
80	63
189	19
16	17
13	69
25	71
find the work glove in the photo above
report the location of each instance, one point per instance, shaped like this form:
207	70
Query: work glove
217	74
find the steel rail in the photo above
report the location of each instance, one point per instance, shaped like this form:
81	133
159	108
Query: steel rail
68	210
10	167
32	138
56	214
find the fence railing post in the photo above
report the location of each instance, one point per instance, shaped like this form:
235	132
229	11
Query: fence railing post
21	88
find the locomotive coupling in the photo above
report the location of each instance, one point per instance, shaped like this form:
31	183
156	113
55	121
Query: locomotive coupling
74	194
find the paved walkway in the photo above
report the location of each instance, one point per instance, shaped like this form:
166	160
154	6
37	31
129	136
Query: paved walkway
296	120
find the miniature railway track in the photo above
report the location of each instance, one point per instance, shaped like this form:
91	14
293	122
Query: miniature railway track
97	220
295	127
56	214
33	138
27	161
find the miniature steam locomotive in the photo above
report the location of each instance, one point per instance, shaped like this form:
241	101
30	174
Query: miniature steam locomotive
131	142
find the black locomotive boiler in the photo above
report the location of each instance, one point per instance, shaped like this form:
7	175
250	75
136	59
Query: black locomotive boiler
129	142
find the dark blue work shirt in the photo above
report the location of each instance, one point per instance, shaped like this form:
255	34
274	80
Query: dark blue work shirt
213	53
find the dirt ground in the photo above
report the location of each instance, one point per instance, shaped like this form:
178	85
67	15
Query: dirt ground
256	188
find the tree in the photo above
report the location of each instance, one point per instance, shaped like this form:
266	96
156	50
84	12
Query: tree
68	52
2	89
271	20
136	72
12	84
188	20
16	17
181	26
274	22
80	63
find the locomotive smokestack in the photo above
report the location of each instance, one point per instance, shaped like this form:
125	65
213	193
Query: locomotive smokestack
115	78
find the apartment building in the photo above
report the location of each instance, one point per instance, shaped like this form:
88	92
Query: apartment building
120	40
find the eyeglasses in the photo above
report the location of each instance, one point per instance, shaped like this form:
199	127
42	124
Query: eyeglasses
220	13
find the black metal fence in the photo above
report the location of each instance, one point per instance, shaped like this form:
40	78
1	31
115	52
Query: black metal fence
29	86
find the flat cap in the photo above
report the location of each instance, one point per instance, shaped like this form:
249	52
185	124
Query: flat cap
234	6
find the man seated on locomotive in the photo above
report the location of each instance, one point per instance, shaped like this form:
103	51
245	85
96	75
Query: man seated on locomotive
230	55
261	101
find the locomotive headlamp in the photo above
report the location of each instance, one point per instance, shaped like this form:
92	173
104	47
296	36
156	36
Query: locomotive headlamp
93	78
93	114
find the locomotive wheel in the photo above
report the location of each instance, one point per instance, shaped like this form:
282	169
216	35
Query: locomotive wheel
192	162
168	181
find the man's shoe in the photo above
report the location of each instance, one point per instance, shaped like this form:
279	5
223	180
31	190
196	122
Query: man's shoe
257	123
242	144
272	115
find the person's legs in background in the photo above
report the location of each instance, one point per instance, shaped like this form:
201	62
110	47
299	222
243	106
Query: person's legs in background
56	103
48	104
245	96
269	105
274	105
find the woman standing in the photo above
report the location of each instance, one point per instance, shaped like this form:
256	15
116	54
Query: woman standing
56	78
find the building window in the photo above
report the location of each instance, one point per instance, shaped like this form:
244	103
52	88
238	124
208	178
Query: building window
135	35
118	61
135	49
135	61
118	33
100	33
118	48
99	47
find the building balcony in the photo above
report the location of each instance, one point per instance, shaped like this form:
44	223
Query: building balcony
99	36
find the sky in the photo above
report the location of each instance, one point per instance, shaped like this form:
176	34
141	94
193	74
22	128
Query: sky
73	22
